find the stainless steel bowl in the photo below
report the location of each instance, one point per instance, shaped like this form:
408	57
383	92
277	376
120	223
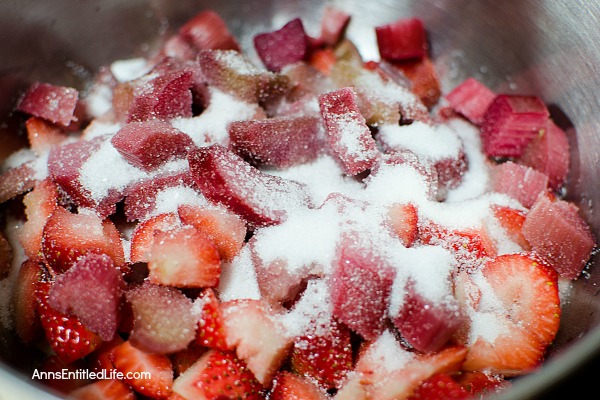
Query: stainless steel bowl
548	48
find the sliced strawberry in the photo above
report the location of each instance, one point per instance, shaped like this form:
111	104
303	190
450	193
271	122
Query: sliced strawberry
17	180
148	374
558	234
284	46
481	384
402	39
224	228
403	218
211	332
244	321
549	153
184	359
280	142
40	203
349	135
529	315
510	123
324	358
67	336
322	60
27	324
333	25
42	135
259	198
101	358
352	389
184	257
54	366
106	389
142	237
53	103
218	375
163	319
207	30
288	386
512	221
423	78
67	236
91	290
519	182
440	386
471	99
150	144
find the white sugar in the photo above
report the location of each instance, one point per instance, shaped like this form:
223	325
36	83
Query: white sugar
18	158
312	314
238	62
210	127
238	278
397	184
387	352
169	199
351	139
129	69
488	321
99	128
98	102
434	142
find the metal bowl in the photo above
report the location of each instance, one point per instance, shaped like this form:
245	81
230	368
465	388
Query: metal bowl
548	48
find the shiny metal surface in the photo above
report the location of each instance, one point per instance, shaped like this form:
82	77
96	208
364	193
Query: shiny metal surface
550	48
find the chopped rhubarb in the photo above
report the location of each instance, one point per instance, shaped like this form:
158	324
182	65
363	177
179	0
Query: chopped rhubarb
423	78
279	142
349	135
150	144
284	46
333	25
402	39
559	235
510	123
261	199
519	182
207	30
16	181
53	103
471	99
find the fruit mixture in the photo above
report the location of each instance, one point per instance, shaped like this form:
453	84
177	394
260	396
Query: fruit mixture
295	222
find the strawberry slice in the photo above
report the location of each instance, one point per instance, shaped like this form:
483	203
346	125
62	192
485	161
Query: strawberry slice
402	39
148	374
150	144
184	359
519	182
218	375
142	237
91	290
288	386
101	358
512	221
244	321
163	319
525	291
106	389
349	136
284	46
211	332
40	203
324	358
471	99
440	386
207	30
42	135
403	218
478	383
184	257
67	236
259	198
67	336
224	228
53	103
27	324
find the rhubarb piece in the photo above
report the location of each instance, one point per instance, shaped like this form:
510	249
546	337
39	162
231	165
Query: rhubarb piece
424	81
235	74
163	93
349	136
91	290
207	30
289	386
224	228
471	99
246	320
527	314
66	335
164	321
27	323
148	374
360	286
333	25
218	375
559	235
549	154
53	103
143	235
149	144
67	236
260	199
17	181
184	257
278	142
42	135
285	46
510	123
519	182
402	39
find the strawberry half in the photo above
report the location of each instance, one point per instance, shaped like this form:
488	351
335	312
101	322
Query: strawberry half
293	387
210	331
107	389
438	387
